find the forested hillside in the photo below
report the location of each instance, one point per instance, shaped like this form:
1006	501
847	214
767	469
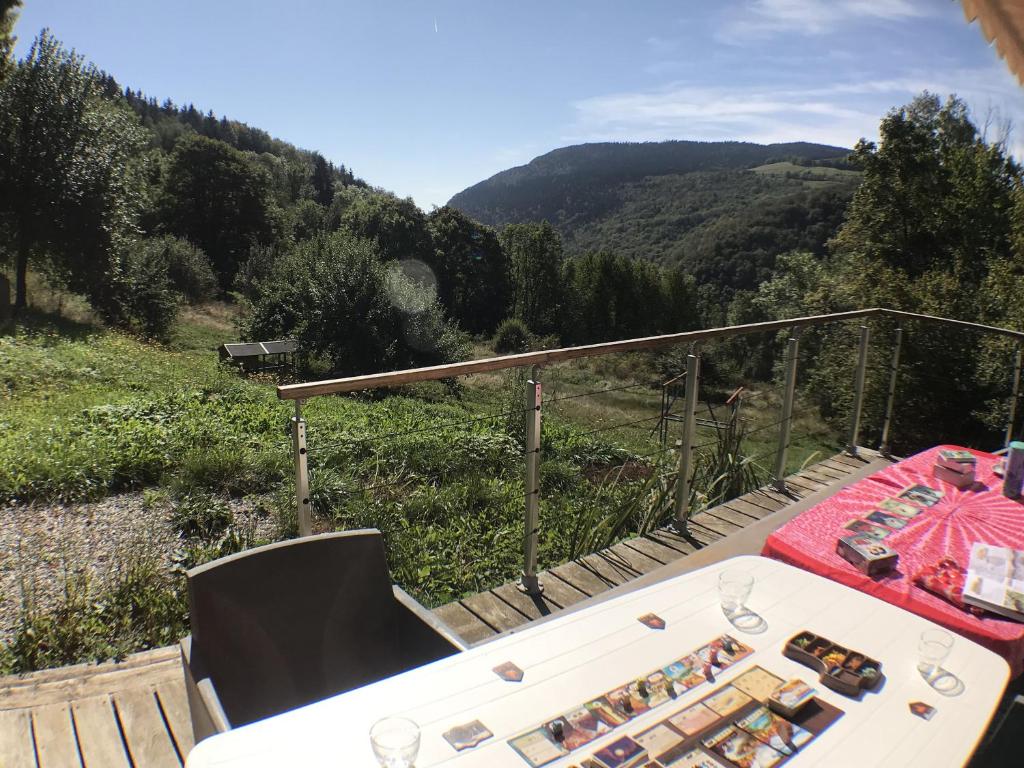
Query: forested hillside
720	210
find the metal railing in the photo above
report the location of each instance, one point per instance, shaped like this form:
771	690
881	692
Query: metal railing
534	402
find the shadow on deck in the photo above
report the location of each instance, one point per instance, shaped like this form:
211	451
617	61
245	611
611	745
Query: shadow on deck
133	714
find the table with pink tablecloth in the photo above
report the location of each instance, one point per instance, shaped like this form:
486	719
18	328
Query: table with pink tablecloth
979	513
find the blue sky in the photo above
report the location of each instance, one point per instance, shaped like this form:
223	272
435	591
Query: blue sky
427	97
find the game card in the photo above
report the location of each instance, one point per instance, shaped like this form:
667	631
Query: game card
890	521
727	700
696	758
758	683
867	529
469	735
658	740
627	699
586	727
537	748
897	507
621	754
684	674
923	495
734	649
693	720
603	710
658	687
741	748
774	730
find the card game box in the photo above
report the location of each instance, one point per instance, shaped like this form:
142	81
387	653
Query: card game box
867	554
841	669
959	476
955	459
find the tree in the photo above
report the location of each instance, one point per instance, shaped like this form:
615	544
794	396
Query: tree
69	189
930	230
397	225
323	180
534	257
8	16
216	198
351	313
472	276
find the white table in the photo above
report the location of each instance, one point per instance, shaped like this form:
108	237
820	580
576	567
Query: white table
581	655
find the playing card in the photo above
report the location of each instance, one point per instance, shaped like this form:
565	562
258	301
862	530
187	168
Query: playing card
509	671
537	748
468	735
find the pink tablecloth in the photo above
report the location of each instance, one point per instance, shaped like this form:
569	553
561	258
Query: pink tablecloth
946	529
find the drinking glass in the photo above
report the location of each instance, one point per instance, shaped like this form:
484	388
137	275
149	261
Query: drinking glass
395	741
733	589
932	649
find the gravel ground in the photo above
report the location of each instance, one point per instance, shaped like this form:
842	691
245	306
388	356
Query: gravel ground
40	545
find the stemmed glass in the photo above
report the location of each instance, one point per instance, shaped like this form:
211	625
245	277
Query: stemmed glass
932	649
395	741
734	588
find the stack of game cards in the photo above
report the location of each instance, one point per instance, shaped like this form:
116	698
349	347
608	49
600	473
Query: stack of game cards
955	467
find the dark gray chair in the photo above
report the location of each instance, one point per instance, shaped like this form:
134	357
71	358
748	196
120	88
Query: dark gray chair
295	622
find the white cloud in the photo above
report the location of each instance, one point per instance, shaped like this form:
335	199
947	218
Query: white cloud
839	113
759	19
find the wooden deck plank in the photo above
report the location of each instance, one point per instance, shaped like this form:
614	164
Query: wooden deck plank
636	561
145	732
56	746
712	523
494	611
841	469
582	578
609	571
854	462
670	538
653	549
558	591
16	744
464	622
740	504
174	703
702	534
532	606
806	480
770	500
99	737
729	515
823	470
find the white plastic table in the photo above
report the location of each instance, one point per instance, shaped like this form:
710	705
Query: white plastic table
581	655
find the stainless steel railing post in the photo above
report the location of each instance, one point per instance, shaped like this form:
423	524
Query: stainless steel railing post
858	390
303	513
786	425
529	582
890	401
682	499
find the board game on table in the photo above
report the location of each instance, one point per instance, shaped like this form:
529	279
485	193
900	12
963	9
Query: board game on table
604	650
924	519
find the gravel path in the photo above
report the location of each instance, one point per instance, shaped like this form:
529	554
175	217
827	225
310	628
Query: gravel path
41	545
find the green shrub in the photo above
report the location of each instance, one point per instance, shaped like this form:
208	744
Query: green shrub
202	516
187	266
512	336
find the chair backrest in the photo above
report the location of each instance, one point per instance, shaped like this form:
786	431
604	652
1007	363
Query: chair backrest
294	622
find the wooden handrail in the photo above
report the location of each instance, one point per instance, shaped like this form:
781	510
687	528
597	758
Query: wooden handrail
549	356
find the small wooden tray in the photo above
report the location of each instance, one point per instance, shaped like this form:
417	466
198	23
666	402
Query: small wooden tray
841	669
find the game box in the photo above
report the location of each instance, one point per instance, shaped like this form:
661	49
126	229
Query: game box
843	670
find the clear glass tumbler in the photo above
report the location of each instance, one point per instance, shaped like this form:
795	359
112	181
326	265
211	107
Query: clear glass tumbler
395	741
733	589
932	649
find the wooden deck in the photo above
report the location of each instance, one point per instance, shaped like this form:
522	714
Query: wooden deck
134	714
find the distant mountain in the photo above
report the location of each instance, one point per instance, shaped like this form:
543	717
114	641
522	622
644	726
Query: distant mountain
722	209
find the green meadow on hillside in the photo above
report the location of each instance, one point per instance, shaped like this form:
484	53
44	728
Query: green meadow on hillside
89	413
